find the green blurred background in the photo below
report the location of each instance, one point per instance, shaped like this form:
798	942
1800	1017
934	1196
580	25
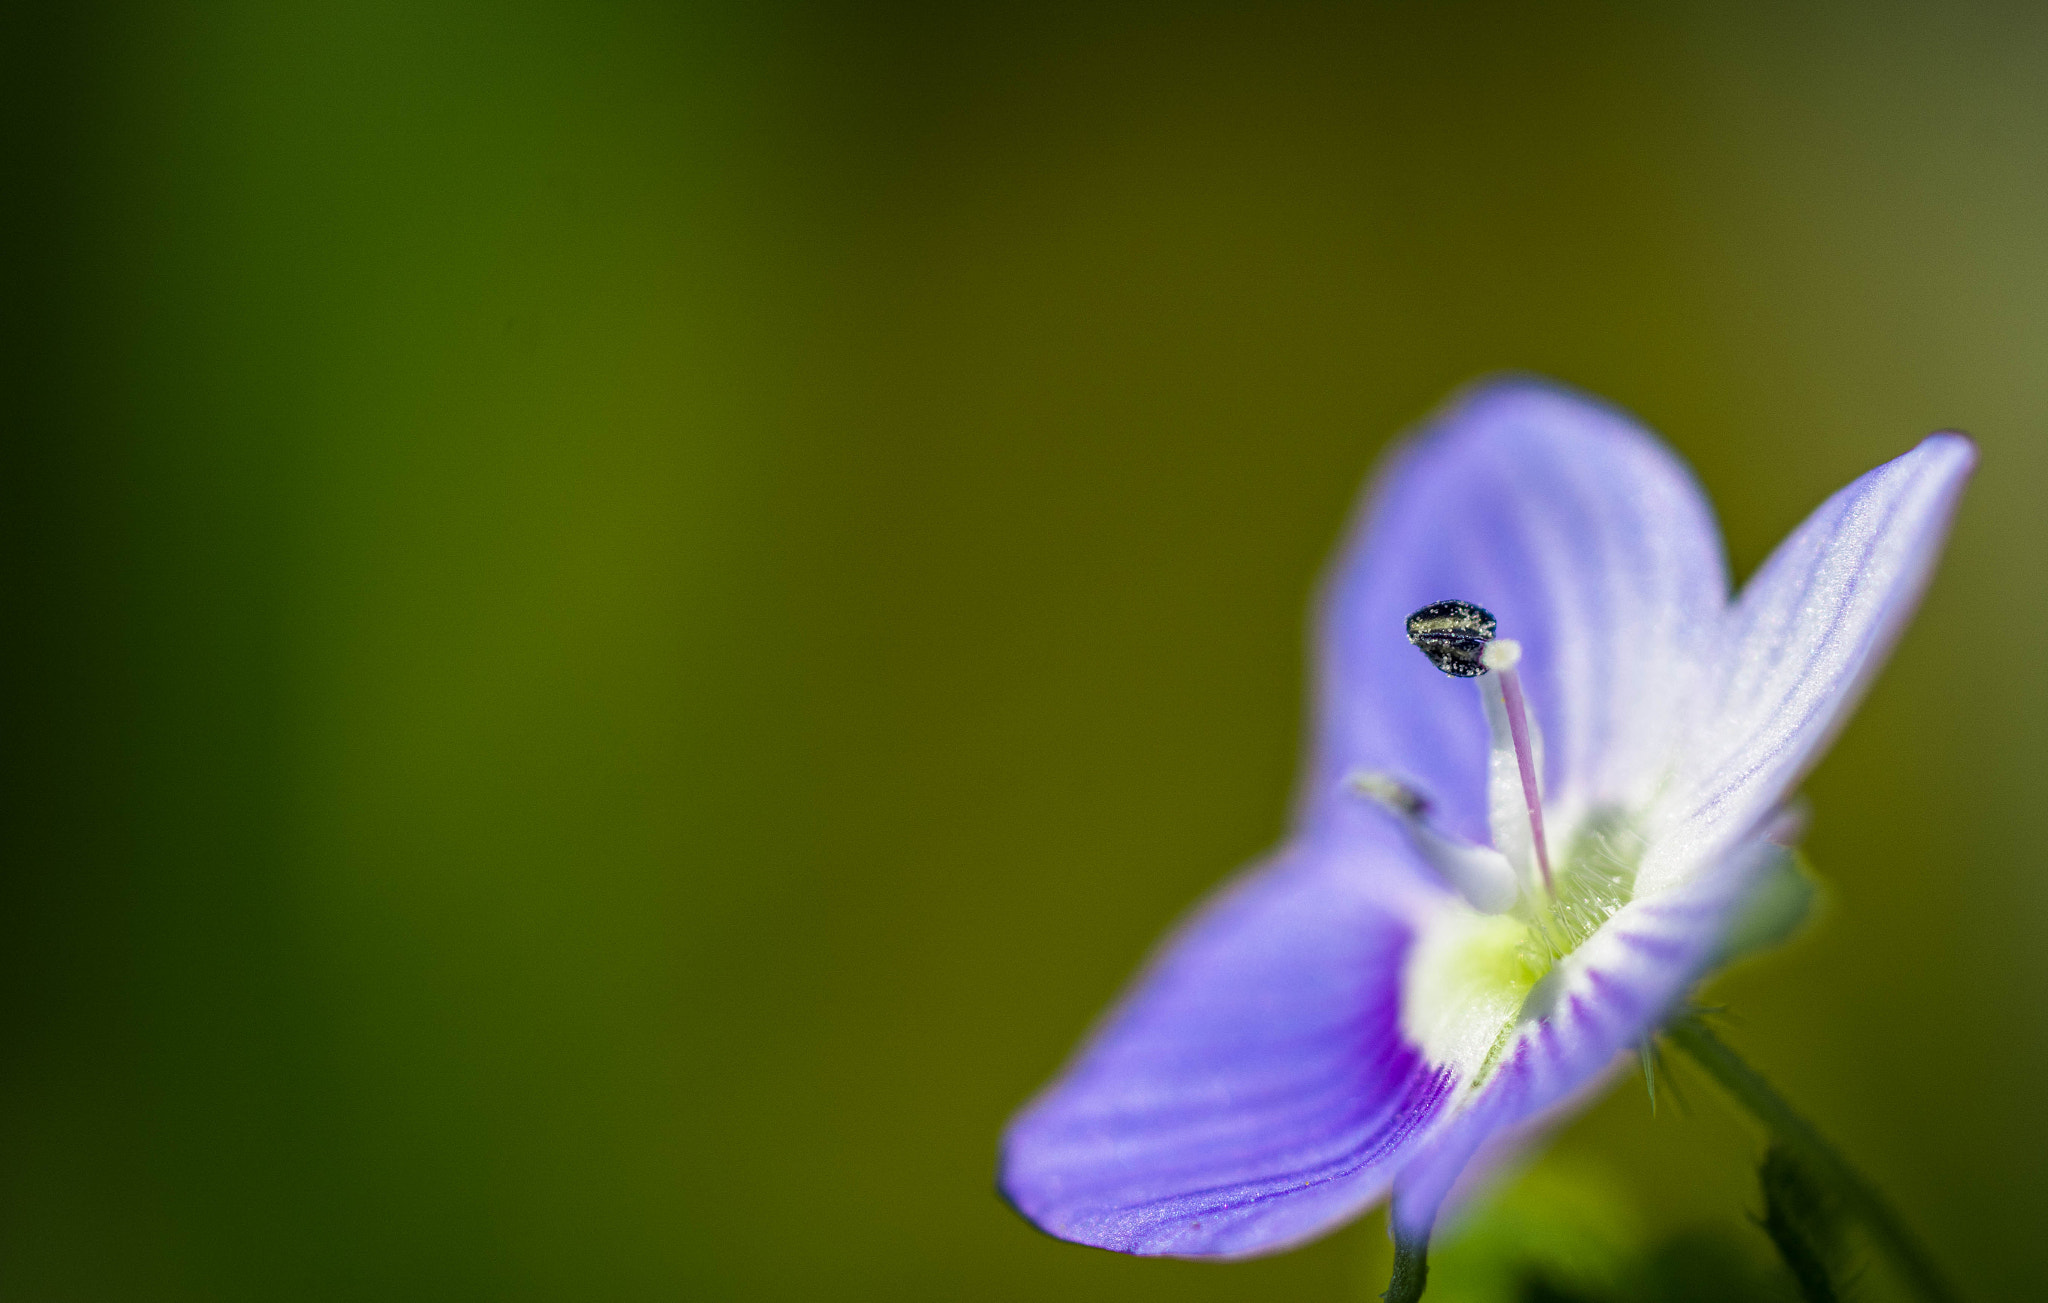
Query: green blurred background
623	619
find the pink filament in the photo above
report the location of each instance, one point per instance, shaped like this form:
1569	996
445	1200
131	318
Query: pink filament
1525	760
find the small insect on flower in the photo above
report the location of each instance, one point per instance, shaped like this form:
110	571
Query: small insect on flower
1492	893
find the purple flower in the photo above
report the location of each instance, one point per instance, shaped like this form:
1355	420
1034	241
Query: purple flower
1491	896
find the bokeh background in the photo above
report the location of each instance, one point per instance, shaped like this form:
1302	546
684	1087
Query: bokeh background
623	618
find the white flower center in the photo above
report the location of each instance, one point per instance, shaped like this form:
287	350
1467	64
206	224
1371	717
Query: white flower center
1519	910
1471	978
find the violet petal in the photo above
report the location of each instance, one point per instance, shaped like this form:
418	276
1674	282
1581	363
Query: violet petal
1810	630
1254	1089
1588	540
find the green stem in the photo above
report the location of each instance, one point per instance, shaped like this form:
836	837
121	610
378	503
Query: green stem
1859	1197
1411	1269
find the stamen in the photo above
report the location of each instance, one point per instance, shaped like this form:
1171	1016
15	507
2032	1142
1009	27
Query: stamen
1458	638
1501	656
1481	874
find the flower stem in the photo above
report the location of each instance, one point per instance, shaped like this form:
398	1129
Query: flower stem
1411	1269
1859	1197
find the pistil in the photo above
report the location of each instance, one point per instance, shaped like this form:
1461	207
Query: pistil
1502	656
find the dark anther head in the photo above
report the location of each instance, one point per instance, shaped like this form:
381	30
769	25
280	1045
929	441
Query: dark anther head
1452	635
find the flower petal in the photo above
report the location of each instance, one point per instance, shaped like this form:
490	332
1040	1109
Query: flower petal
1811	629
1609	997
1254	1090
1593	546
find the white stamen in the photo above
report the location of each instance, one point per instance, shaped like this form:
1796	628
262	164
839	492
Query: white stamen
1513	738
1481	874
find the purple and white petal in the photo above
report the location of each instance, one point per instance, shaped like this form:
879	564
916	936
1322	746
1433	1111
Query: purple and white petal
1591	543
1596	1008
1254	1089
1811	629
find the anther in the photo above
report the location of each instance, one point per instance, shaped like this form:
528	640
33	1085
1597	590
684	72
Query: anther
1458	638
1481	874
1453	635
